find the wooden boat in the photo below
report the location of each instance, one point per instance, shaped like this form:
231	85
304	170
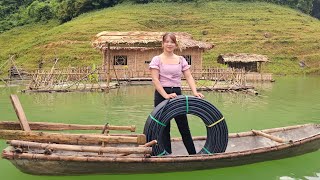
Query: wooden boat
243	148
46	153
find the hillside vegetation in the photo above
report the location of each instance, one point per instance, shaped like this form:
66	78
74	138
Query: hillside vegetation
285	35
14	13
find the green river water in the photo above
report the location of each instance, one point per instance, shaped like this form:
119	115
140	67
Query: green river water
288	101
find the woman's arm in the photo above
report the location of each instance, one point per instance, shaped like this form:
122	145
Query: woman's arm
158	86
191	83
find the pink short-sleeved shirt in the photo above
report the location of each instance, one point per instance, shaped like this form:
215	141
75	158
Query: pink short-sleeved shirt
169	74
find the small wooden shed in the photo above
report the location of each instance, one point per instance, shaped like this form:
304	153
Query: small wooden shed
130	53
250	62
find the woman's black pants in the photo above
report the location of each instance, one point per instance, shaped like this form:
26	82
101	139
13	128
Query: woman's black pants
182	123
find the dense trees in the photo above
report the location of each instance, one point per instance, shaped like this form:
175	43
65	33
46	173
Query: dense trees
302	5
68	9
316	9
19	12
40	11
10	13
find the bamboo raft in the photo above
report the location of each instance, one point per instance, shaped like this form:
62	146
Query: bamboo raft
34	150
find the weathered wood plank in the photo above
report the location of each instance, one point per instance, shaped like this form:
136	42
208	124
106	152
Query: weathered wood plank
77	148
69	138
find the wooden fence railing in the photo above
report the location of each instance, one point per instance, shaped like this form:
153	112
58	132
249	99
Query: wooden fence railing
86	77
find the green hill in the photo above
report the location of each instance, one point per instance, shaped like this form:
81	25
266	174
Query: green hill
285	35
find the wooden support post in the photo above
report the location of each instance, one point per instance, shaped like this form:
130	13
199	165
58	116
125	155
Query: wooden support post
109	65
104	64
20	113
269	136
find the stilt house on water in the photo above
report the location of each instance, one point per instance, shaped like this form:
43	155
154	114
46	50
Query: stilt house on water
250	62
127	54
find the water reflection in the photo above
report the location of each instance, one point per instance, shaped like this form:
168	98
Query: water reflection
262	86
240	99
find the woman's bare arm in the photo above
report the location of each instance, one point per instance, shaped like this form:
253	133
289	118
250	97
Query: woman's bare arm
191	83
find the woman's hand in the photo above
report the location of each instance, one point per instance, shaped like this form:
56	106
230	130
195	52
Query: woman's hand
171	96
199	95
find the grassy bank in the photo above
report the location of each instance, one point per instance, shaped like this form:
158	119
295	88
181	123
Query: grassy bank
285	35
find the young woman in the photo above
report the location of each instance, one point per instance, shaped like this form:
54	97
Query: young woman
166	71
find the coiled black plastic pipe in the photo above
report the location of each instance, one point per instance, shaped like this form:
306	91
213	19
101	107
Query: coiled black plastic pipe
217	130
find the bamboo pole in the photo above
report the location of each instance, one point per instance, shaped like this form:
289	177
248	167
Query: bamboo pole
148	144
269	136
128	135
34	75
37	80
50	75
10	125
69	138
4	63
94	149
5	83
108	70
20	113
63	73
115	73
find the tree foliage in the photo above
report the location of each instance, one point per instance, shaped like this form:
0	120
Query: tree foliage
302	5
316	9
19	12
40	11
68	9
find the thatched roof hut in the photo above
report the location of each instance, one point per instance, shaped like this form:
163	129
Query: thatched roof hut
251	62
142	39
131	52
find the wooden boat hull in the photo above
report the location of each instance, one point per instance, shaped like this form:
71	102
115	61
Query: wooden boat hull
40	164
